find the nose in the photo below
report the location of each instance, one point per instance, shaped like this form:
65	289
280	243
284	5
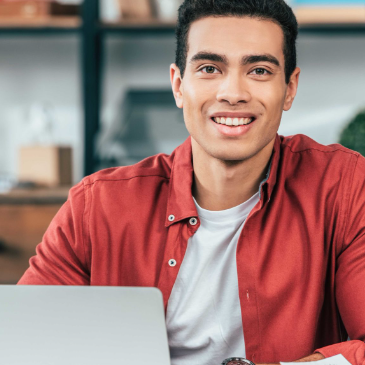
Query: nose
233	90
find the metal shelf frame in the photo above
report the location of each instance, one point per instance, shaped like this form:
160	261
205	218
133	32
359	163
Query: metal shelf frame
93	34
92	56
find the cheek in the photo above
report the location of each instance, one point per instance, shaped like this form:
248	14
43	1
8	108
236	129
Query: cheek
272	98
197	91
196	99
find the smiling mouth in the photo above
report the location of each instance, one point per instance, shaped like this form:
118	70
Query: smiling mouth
233	122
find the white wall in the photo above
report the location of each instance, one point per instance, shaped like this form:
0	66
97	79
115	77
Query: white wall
41	69
331	87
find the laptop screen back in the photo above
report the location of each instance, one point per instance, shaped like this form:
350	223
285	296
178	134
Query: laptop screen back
74	325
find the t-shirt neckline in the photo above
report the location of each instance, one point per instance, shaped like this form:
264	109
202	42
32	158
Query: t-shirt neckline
238	212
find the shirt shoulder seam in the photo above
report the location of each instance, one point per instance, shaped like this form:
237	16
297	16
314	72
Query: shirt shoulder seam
125	178
85	225
319	150
347	208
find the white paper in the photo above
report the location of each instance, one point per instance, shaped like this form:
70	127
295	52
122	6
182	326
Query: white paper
333	360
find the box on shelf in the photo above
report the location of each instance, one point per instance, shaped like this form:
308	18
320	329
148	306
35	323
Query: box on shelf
45	165
135	9
23	9
34	9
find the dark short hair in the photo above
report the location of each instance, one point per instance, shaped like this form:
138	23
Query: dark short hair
275	10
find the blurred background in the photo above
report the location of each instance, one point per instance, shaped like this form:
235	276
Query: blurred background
84	85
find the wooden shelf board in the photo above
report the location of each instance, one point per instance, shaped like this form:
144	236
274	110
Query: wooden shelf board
69	22
351	15
306	16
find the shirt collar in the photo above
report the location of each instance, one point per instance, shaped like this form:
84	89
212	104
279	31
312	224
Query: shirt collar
180	204
272	174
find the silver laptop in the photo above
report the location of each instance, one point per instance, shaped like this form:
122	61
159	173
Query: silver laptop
80	325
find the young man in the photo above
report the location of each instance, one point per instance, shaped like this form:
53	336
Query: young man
256	241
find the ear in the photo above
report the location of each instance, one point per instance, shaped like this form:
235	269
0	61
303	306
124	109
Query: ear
176	83
291	89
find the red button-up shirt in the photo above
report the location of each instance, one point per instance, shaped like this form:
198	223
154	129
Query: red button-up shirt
300	256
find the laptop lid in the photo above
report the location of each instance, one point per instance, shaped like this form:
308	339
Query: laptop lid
77	325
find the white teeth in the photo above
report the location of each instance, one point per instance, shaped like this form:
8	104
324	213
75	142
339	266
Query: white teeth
234	121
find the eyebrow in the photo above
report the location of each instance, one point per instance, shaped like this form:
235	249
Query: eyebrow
249	59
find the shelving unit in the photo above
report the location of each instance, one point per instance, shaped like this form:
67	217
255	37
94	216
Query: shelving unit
331	22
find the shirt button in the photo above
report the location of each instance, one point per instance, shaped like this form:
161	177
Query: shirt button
193	221
172	262
171	218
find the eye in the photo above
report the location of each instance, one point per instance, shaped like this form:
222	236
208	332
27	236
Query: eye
261	71
209	69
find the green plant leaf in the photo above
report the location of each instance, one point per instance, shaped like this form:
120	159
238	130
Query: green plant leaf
353	136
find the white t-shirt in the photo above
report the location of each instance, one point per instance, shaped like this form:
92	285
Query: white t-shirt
203	317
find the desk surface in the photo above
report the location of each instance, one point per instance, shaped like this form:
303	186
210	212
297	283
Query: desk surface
24	217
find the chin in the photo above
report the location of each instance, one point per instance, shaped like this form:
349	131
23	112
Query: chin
226	150
231	156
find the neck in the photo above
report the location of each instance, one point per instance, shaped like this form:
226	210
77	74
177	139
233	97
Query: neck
220	185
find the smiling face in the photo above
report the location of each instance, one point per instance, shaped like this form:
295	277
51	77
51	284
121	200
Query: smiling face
233	91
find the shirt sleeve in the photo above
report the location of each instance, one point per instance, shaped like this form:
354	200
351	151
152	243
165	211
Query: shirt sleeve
350	274
60	258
